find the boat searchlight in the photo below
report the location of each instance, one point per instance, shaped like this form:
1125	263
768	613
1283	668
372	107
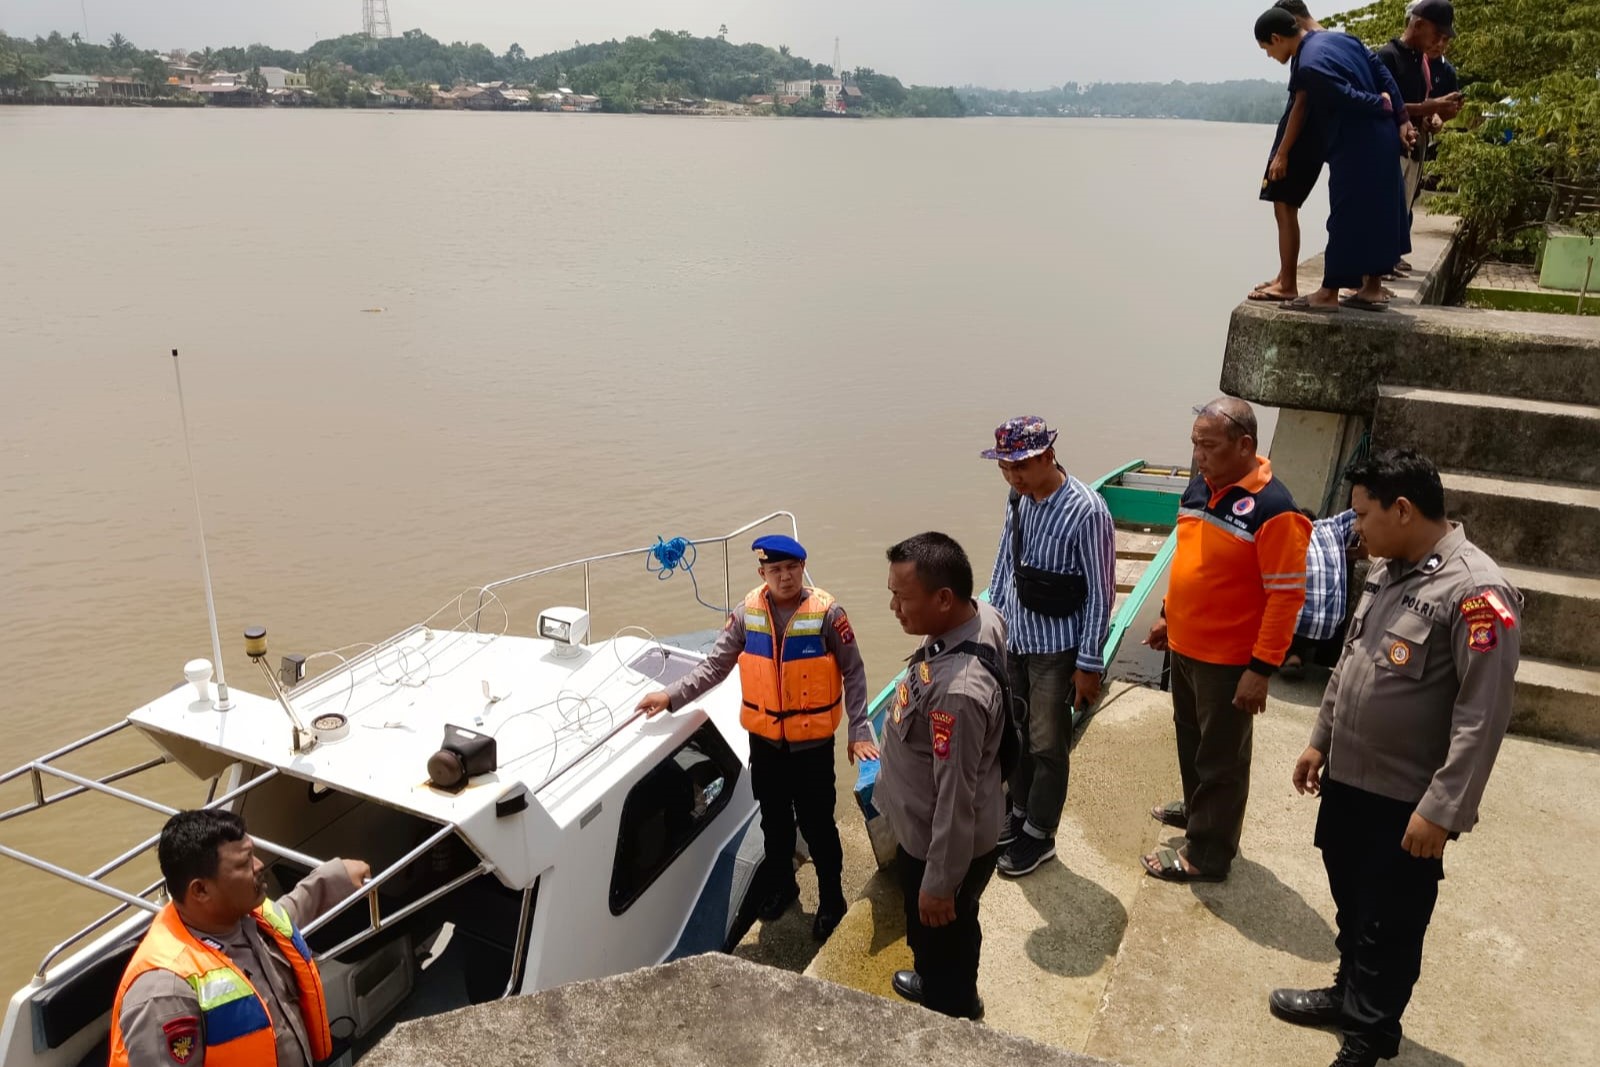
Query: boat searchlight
567	627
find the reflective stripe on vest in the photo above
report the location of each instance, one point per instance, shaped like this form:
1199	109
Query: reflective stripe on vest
237	1027
792	687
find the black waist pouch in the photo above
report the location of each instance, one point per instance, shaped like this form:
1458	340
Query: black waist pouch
1040	591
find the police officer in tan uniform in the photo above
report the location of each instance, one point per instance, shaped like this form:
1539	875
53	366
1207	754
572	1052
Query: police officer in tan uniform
940	782
1404	742
214	881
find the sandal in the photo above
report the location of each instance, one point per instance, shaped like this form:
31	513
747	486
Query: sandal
1303	303
1168	867
1173	814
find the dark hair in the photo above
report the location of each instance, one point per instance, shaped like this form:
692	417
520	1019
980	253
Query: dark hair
941	563
1239	416
1297	8
189	843
1400	472
1276	22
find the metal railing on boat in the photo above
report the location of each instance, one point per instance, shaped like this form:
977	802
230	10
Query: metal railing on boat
38	770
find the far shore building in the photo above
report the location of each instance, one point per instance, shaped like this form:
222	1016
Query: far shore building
279	78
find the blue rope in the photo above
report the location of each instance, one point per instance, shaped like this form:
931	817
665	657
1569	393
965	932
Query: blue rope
668	556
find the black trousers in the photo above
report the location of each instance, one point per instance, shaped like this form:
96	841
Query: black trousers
1384	898
795	788
1214	743
946	957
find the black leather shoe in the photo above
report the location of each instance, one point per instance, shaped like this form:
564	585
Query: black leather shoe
1308	1007
909	985
827	921
777	902
1356	1053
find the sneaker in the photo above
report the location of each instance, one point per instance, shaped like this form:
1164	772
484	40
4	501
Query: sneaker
1025	855
778	901
1308	1007
1012	829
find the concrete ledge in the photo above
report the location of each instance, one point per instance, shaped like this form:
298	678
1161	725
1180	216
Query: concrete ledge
1493	434
1557	702
1559	613
706	1011
1532	523
1335	362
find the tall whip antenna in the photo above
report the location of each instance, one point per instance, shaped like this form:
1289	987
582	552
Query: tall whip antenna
224	701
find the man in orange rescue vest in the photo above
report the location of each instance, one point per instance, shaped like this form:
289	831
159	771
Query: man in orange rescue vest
223	976
1234	594
801	670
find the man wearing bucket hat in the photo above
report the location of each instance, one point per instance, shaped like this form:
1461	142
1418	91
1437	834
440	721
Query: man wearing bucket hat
801	672
1054	583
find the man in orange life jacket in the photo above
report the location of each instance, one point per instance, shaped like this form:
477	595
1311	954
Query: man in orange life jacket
223	976
800	669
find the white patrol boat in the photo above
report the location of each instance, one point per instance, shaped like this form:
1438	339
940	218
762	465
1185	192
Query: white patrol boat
524	825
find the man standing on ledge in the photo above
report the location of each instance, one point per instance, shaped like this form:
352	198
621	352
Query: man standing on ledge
1054	583
1237	583
1408	732
800	671
940	782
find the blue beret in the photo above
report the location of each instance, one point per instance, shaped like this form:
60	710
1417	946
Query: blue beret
775	548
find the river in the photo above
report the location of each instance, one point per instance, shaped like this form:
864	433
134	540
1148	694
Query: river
424	351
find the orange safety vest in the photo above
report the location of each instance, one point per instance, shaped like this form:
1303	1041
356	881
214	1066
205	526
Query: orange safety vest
235	1023
792	687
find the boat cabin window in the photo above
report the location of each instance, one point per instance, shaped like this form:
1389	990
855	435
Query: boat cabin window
667	809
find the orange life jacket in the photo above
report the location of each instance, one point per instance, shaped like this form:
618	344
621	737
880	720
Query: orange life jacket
235	1023
792	687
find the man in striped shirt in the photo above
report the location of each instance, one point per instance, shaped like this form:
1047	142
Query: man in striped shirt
1055	595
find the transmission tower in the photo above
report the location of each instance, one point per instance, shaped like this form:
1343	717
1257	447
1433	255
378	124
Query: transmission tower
375	18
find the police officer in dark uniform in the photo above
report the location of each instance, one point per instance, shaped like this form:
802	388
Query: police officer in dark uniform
940	782
1406	737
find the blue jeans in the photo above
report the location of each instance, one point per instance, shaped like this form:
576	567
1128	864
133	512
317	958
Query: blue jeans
1044	682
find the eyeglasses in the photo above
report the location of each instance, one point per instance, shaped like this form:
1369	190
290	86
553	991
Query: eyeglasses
1215	411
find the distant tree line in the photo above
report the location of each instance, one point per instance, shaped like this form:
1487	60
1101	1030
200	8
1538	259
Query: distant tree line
666	65
1233	101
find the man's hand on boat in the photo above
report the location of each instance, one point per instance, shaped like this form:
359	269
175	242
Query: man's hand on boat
358	870
653	704
1157	638
860	750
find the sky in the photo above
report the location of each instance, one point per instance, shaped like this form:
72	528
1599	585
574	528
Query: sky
1003	44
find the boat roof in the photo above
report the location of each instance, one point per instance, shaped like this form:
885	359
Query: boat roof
548	711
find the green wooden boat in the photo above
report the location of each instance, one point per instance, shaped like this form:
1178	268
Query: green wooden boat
1144	503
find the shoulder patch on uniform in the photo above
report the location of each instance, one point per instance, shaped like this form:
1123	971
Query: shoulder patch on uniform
1501	612
944	727
841	626
182	1036
1481	635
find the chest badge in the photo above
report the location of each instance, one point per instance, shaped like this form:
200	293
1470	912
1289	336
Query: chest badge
1399	653
924	673
902	697
1432	563
1244	506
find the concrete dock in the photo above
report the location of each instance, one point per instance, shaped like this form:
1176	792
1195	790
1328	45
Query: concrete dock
1089	954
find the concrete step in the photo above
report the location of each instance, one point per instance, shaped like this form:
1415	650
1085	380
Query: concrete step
1492	434
1531	523
1558	702
1558	616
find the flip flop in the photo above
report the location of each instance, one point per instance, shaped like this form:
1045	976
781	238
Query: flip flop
1303	303
1169	868
1173	814
1264	297
1361	303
